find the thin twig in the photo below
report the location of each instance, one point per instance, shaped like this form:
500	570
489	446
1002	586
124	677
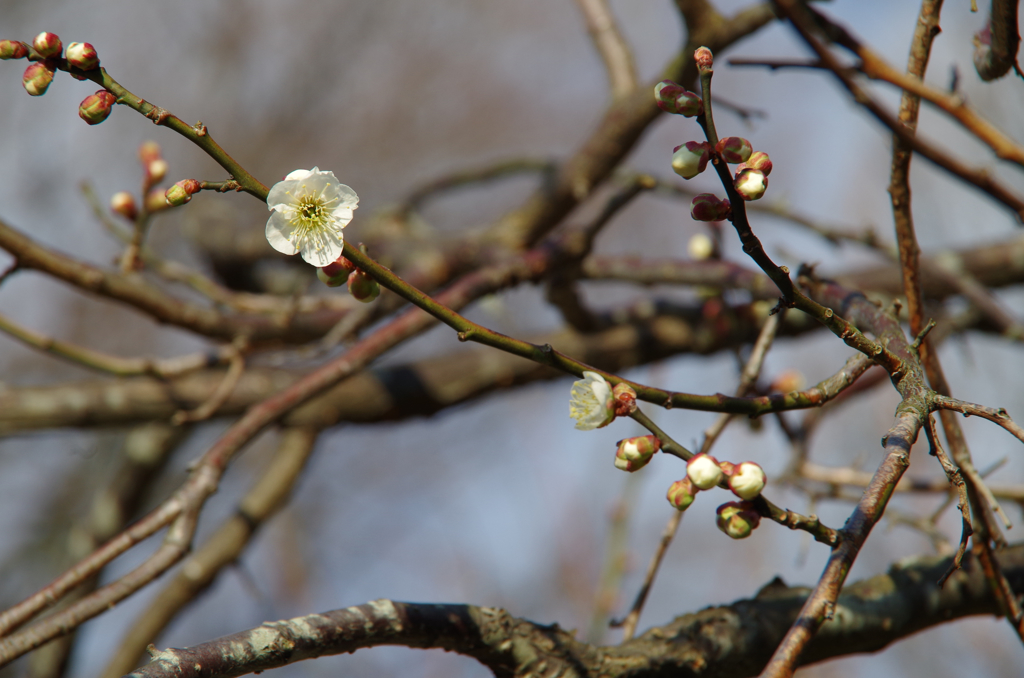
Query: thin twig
611	45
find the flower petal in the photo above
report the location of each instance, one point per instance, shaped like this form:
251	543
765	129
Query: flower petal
333	242
300	174
278	230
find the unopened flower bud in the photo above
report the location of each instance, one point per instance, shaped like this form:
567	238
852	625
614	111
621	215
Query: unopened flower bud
703	471
47	44
634	453
738	519
708	207
148	152
682	493
336	281
156	200
788	381
123	203
95	108
156	170
704	58
691	158
181	192
758	160
625	399
13	49
37	78
340	267
751	183
673	98
362	287
746	480
82	55
734	150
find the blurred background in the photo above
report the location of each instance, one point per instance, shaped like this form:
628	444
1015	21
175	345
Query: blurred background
499	502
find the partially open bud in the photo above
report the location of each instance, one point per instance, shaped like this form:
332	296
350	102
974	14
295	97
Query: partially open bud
703	471
738	519
682	493
181	192
746	480
47	44
758	160
82	55
704	58
691	158
634	453
625	399
734	150
123	203
95	108
37	78
708	207
751	183
13	49
362	287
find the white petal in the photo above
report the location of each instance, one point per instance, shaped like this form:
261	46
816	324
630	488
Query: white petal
299	174
326	255
278	230
342	216
281	193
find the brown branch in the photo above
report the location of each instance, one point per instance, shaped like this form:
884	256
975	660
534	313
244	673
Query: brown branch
611	45
729	640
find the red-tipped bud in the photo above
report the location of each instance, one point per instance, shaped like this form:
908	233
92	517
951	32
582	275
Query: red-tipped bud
734	150
759	161
362	287
47	44
336	281
703	471
82	56
673	98
625	399
95	108
123	203
704	58
13	49
751	183
738	519
340	267
691	158
682	493
634	453
708	207
37	78
746	480
181	192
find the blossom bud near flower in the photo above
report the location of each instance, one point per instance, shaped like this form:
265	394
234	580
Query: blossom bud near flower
362	287
681	494
738	519
708	207
181	192
704	58
123	203
37	78
591	402
336	281
625	399
691	158
95	108
746	480
751	183
634	453
13	49
758	160
703	471
82	55
47	44
734	150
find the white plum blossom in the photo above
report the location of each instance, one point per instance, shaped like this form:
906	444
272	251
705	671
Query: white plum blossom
747	480
591	403
704	471
310	209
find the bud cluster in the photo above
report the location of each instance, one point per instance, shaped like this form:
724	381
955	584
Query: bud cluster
672	97
361	286
704	472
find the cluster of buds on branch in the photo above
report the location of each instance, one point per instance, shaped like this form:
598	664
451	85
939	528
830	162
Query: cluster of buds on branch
45	53
361	286
154	170
704	472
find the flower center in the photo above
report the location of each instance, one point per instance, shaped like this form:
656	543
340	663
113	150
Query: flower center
311	212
